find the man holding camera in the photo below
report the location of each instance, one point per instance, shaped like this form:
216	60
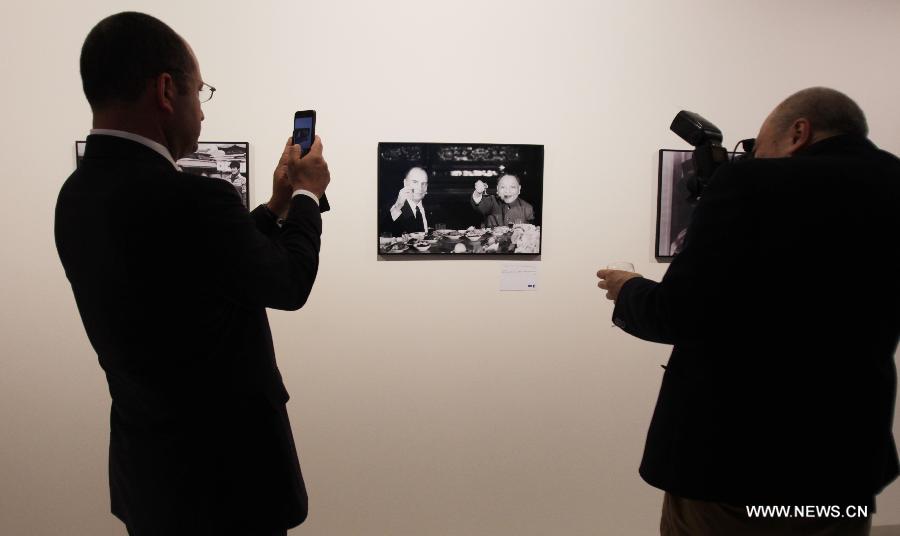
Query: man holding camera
776	407
172	278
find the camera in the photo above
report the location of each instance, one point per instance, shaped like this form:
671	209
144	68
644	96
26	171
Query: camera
708	151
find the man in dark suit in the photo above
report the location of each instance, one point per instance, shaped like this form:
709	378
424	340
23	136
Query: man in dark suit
783	311
506	208
172	277
408	214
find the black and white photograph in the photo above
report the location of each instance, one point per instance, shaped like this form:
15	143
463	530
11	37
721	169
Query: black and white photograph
675	203
229	161
459	198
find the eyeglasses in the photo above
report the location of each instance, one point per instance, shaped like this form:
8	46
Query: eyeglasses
206	92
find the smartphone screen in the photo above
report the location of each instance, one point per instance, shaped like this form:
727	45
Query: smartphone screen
304	135
304	129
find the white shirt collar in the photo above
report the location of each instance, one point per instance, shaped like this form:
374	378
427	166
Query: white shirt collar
158	147
418	206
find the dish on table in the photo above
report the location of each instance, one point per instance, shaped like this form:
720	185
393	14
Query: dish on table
398	247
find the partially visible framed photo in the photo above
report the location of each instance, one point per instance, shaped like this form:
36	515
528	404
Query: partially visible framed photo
229	161
674	203
79	152
459	198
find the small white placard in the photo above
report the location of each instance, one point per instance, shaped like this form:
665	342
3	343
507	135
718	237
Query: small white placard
518	277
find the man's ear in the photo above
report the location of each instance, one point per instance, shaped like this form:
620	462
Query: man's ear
800	135
165	91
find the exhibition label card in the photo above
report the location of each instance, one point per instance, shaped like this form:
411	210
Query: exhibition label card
518	276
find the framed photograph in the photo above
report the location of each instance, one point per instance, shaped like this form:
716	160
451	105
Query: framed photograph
228	161
675	204
459	198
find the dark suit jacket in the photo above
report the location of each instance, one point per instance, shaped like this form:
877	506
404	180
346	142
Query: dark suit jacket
783	309
496	212
406	222
172	277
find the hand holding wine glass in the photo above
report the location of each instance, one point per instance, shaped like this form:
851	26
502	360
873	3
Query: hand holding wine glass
614	276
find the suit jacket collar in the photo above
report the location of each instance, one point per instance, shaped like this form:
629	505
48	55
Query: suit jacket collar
407	208
101	147
840	144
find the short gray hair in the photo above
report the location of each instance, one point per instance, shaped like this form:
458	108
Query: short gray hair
828	111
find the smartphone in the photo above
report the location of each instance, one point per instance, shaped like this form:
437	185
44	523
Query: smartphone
304	129
304	135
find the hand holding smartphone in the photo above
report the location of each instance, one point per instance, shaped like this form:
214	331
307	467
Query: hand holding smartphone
304	135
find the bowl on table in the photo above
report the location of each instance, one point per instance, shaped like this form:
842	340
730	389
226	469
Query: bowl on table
397	247
474	235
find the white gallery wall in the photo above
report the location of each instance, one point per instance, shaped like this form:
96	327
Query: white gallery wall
424	401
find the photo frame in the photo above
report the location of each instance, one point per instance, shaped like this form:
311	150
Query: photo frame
674	204
427	199
228	161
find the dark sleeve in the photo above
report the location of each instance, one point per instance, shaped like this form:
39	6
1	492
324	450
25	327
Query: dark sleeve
486	206
249	258
639	312
265	221
704	281
388	224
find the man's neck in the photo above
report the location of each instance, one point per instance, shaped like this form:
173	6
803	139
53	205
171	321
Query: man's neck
117	118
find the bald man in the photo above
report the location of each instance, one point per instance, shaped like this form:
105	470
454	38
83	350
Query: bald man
504	209
408	214
784	314
172	278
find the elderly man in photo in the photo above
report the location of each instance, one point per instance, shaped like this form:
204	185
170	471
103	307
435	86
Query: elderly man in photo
784	311
172	278
505	209
408	213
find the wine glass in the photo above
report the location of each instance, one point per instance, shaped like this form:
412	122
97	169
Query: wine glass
621	265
